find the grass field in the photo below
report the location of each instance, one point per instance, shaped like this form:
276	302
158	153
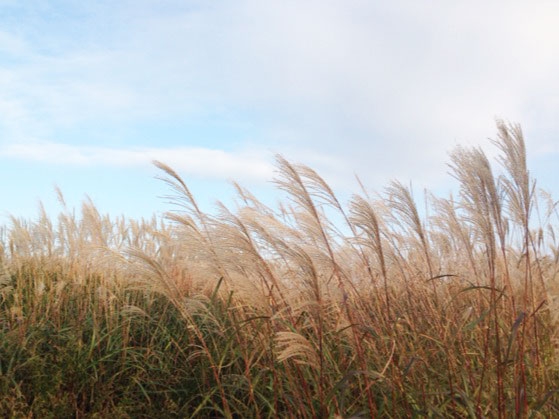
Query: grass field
259	312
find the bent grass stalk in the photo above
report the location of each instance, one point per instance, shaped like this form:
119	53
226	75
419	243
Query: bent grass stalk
263	312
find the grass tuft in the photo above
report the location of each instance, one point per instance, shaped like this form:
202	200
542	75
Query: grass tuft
262	312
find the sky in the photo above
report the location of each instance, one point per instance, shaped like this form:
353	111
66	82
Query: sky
91	92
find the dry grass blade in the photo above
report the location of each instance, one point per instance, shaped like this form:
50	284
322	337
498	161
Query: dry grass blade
291	345
286	312
400	200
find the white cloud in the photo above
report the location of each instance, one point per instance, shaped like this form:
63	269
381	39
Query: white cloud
382	89
200	162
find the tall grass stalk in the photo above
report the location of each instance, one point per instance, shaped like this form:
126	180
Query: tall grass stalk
282	312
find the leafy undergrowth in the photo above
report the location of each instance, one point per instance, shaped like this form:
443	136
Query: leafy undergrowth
264	313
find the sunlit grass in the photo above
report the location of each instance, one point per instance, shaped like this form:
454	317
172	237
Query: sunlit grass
263	312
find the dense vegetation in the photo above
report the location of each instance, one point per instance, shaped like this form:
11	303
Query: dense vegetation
259	312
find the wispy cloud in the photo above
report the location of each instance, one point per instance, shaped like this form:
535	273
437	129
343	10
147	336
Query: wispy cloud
380	89
200	162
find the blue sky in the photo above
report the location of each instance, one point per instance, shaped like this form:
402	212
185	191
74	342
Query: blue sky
92	91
